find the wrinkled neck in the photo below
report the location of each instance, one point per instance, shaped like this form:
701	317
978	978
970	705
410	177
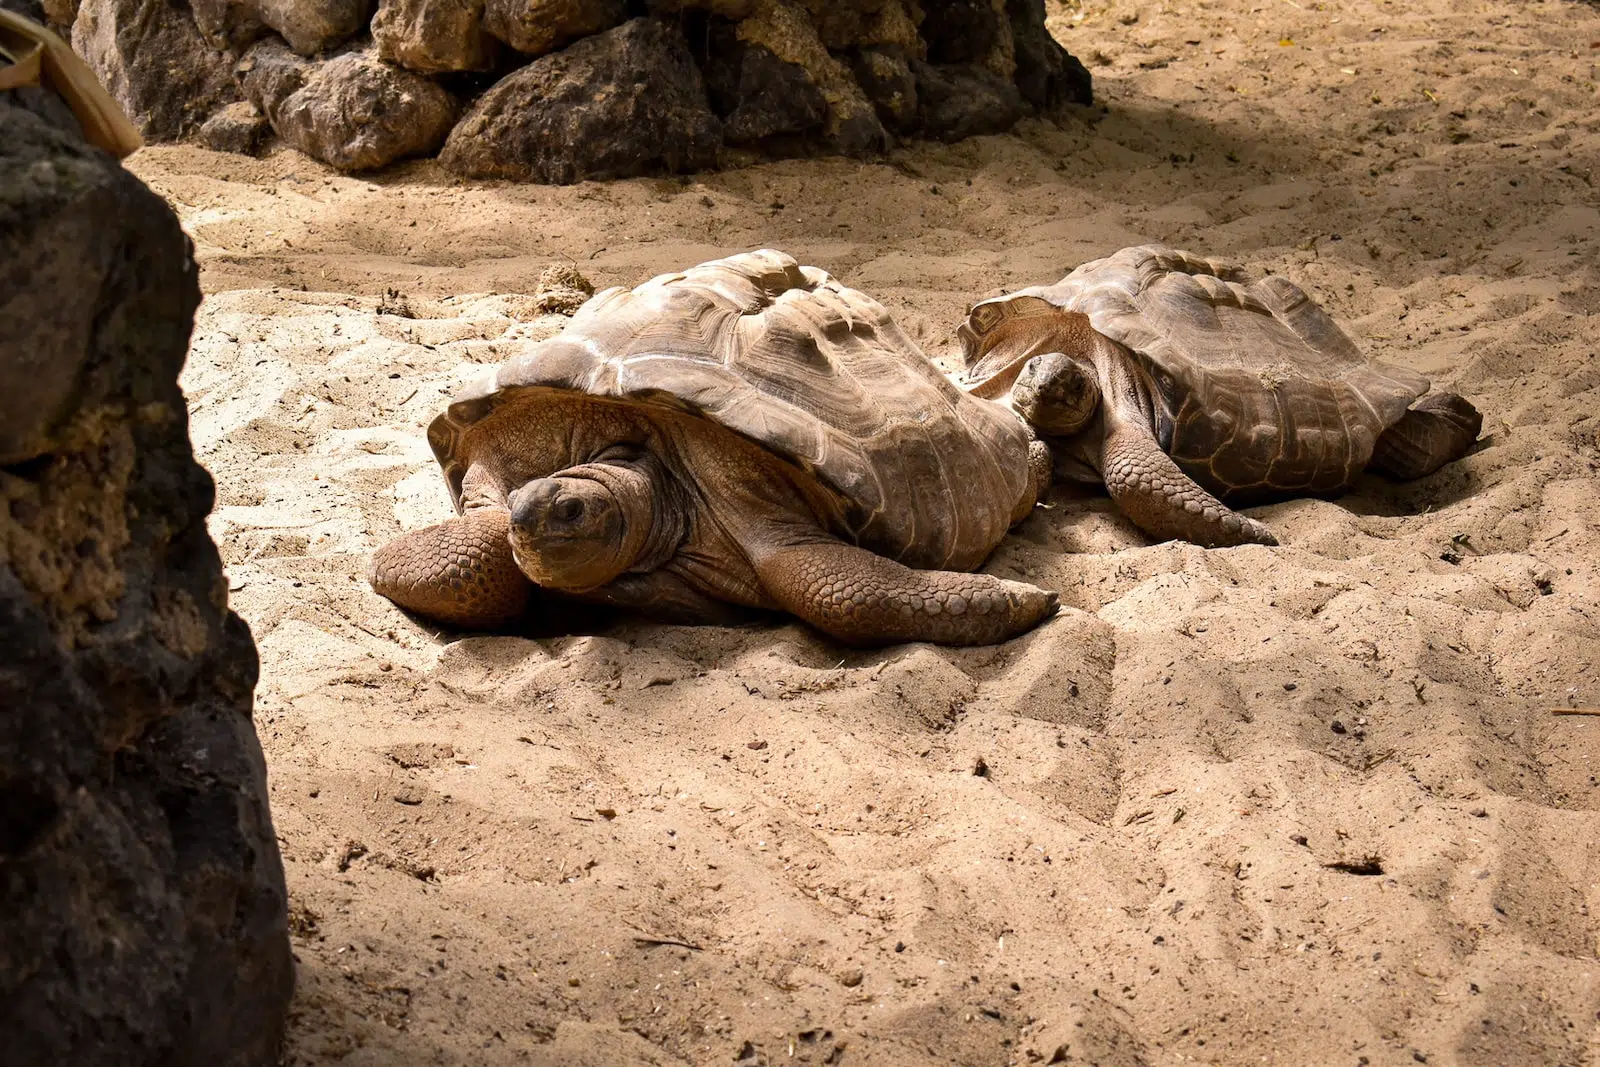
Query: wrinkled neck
654	503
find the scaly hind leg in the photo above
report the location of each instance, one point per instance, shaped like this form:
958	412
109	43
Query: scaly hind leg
459	572
861	598
1439	429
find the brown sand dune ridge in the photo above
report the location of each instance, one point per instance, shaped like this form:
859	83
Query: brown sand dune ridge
1296	805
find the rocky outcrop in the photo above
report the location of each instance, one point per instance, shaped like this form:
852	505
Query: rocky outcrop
153	60
625	102
614	88
353	111
140	881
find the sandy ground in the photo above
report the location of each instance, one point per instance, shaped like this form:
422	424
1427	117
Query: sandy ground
1302	805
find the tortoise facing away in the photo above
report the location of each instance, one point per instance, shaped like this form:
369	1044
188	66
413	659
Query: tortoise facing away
746	434
1179	384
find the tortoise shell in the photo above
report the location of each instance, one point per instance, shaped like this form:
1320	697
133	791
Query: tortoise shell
816	373
1258	392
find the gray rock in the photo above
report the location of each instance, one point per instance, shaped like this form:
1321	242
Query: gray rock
236	128
955	102
540	26
143	894
621	103
1047	75
353	111
151	58
434	36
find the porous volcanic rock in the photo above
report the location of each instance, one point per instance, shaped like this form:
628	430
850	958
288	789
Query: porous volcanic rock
1046	75
539	26
353	111
785	29
886	78
624	102
152	59
140	881
433	36
312	26
964	100
239	127
606	94
758	96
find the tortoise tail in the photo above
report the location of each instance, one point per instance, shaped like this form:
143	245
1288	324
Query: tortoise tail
1439	429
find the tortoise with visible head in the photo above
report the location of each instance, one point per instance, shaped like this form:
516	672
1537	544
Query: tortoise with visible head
1179	383
748	433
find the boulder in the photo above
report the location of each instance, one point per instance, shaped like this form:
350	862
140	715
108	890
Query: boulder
239	127
353	111
886	78
313	26
540	26
785	29
143	893
959	101
1046	75
152	59
624	102
433	36
310	26
758	96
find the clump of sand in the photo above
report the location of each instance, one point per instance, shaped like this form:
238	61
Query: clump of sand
1295	805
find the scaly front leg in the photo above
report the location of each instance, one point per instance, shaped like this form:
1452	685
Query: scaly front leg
459	572
1163	501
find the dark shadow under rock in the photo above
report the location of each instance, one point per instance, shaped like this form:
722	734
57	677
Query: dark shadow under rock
621	103
154	62
143	895
353	111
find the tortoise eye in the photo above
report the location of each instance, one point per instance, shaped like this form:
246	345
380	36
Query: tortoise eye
569	509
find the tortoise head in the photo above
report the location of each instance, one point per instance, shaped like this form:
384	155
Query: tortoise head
583	526
1056	394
